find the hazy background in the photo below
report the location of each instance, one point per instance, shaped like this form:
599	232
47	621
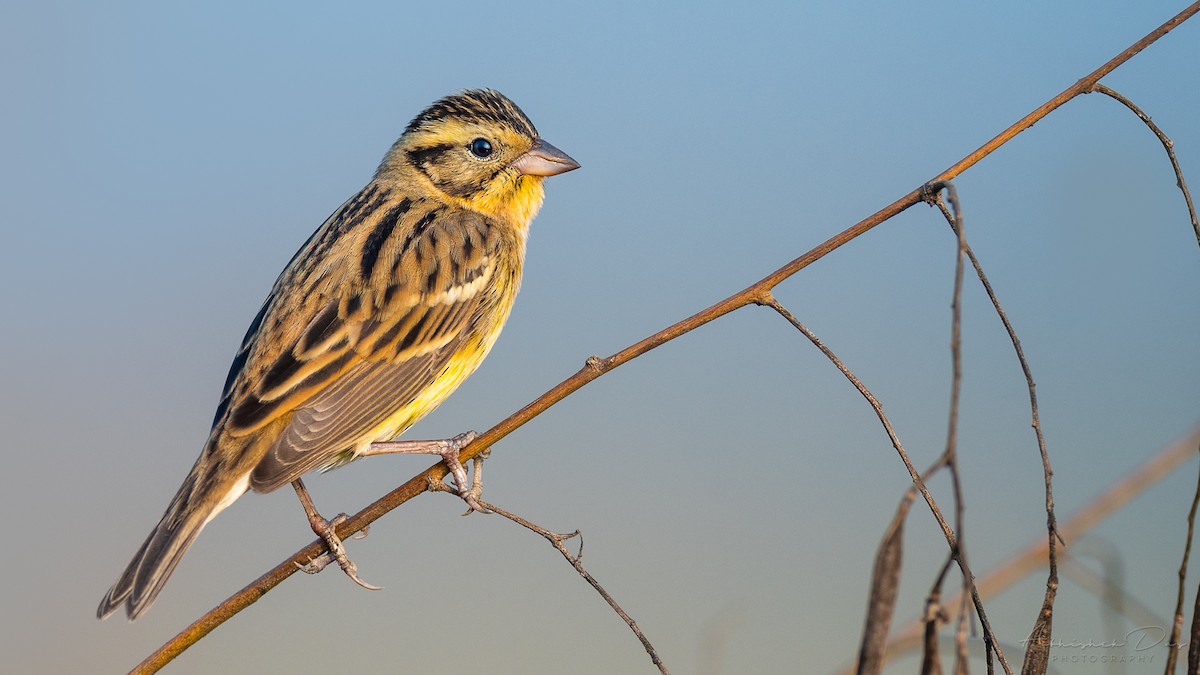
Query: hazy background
161	164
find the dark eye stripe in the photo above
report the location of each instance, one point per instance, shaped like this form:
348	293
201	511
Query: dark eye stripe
423	156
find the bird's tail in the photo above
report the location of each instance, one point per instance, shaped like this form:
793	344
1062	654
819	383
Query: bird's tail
199	499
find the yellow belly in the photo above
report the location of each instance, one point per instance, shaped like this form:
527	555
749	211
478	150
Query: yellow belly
457	371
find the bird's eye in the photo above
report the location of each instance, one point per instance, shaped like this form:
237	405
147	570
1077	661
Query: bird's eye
481	148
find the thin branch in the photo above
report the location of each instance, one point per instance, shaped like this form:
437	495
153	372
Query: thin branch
918	480
962	656
1177	625
556	540
1167	144
950	455
1194	643
1052	535
935	616
596	366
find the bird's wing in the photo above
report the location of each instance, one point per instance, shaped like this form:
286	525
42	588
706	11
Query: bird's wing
369	349
375	387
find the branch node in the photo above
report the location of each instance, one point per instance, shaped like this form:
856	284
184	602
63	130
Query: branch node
930	191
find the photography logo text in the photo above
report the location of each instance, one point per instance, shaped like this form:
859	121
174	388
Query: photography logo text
1140	645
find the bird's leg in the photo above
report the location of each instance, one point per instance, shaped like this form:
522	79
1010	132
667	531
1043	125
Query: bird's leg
477	477
448	449
326	529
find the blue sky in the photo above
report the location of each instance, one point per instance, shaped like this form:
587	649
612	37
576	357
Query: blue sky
162	163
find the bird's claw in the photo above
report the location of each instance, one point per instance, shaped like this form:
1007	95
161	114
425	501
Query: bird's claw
336	553
471	496
448	449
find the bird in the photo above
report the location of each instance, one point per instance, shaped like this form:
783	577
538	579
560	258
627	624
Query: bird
379	316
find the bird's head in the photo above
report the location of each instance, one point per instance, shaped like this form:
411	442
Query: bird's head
481	151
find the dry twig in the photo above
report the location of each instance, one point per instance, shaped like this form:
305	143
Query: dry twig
917	478
1167	144
1177	624
1052	535
931	661
556	540
950	455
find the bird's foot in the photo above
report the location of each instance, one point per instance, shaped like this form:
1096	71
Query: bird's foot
327	530
471	497
448	449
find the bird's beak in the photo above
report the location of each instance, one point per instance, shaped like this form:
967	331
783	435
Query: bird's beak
544	159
